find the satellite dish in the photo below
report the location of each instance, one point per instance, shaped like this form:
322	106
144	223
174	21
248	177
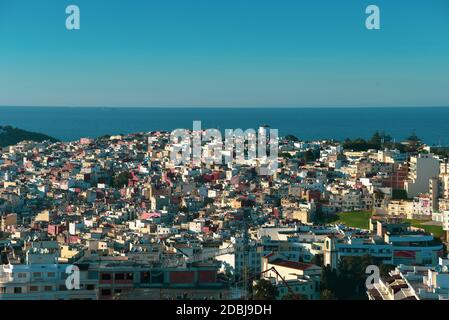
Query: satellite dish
445	269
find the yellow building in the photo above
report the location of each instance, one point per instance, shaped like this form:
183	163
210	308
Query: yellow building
401	208
43	216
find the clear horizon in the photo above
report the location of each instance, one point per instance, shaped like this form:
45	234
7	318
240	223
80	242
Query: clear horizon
226	107
72	123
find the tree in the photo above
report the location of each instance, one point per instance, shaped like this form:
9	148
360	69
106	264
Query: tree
413	137
264	290
318	260
352	276
413	143
11	136
385	269
329	279
4	258
326	294
286	155
380	140
399	194
121	179
291	137
309	156
358	144
376	139
294	296
349	282
208	201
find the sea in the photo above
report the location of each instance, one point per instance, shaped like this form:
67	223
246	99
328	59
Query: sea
431	124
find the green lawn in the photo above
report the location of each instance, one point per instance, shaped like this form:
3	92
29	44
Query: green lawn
360	219
436	230
356	219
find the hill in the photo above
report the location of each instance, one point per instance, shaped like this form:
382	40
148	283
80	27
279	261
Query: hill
11	136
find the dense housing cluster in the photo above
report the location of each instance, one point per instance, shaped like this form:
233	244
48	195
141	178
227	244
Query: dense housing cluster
137	226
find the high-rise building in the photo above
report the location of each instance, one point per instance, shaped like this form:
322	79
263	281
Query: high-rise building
421	169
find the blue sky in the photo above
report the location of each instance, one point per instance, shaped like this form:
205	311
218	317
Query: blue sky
224	53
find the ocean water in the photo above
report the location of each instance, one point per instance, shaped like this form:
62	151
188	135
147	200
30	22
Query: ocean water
68	123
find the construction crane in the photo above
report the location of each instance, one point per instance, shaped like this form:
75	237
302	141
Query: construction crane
293	293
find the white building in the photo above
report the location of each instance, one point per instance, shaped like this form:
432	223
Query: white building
422	168
40	282
414	283
445	220
235	260
422	206
292	277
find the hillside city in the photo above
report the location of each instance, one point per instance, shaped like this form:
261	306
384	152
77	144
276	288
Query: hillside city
136	226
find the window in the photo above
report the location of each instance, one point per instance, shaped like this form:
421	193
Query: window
106	276
17	289
34	288
48	288
90	287
117	291
119	276
105	292
21	275
51	274
145	277
157	277
37	274
2	290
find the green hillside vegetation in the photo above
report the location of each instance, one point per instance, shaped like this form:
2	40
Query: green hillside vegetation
436	230
360	219
381	140
356	219
10	136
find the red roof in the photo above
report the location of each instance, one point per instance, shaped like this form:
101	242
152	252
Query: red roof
405	254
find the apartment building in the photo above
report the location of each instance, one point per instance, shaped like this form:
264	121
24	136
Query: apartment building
422	207
400	208
421	169
110	278
235	261
391	156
